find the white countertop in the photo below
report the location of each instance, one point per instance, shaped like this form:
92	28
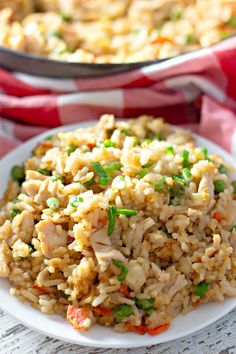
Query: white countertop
219	338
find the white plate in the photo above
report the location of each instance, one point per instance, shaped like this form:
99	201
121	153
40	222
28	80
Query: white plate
57	327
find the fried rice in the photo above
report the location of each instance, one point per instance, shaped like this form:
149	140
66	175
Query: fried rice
114	31
124	224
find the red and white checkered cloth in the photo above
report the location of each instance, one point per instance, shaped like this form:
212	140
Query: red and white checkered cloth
196	89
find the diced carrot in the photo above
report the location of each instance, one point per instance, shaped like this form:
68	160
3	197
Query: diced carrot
234	197
138	329
80	318
158	330
40	289
199	259
90	146
124	290
218	216
161	40
70	239
102	311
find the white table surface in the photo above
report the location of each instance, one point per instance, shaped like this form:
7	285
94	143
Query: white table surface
219	338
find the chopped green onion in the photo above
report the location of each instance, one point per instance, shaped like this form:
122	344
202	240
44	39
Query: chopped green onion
48	137
145	170
104	178
178	180
160	185
126	132
58	178
124	270
71	148
89	183
176	15
18	173
127	212
109	143
170	150
44	172
222	169
232	21
150	311
186	174
219	185
201	289
136	140
224	35
53	203
15	201
75	201
155	136
144	304
111	167
189	38
233	228
147	141
111	219
233	183
185	155
55	34
203	150
14	212
31	248
112	212
122	311
65	17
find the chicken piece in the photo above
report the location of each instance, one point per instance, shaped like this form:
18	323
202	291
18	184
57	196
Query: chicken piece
6	230
31	174
23	226
31	187
51	236
103	249
136	276
4	260
43	193
180	283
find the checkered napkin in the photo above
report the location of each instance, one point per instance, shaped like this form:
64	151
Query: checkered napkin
197	90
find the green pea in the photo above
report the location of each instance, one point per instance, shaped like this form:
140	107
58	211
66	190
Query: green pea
65	17
122	311
144	304
219	185
18	173
222	169
233	183
15	201
201	289
109	143
233	228
48	137
53	203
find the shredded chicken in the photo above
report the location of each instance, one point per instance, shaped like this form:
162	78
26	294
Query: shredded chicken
23	226
227	288
51	236
31	187
136	276
103	249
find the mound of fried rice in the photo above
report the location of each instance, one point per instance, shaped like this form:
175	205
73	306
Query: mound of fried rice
141	230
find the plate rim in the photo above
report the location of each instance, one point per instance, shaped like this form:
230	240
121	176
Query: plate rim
192	330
